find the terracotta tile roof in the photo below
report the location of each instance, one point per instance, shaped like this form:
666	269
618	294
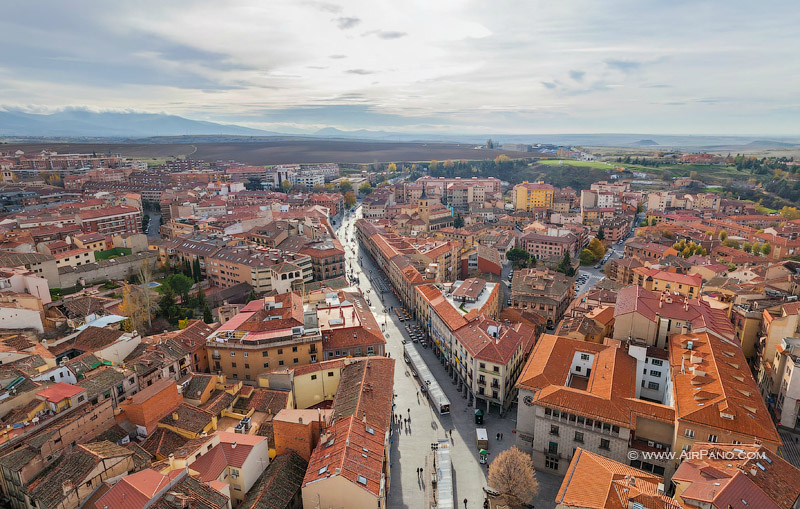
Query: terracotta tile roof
270	401
610	393
652	305
232	451
163	442
90	340
190	418
727	398
134	491
190	492
278	485
59	392
354	447
766	481
593	481
498	349
198	385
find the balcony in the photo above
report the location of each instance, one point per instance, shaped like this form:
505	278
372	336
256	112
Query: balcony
481	382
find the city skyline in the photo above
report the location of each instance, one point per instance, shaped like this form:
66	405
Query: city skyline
460	67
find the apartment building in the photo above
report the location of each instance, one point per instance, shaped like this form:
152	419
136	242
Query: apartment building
264	270
529	196
327	258
118	220
542	291
652	317
348	327
489	356
269	333
542	246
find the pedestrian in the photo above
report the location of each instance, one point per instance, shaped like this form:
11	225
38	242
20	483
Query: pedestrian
409	412
417	473
501	436
497	437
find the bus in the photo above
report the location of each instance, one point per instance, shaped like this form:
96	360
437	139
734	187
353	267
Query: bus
429	384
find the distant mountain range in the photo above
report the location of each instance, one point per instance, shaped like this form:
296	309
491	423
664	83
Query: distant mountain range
83	123
161	128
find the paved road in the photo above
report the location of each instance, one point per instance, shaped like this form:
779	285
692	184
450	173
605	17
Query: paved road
410	444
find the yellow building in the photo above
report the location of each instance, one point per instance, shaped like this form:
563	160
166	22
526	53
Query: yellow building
529	196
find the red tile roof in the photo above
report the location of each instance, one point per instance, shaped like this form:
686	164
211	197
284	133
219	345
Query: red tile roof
59	392
136	490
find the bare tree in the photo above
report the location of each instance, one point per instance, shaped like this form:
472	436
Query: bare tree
145	278
133	307
512	475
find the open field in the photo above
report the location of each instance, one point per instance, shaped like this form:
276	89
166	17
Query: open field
582	164
283	151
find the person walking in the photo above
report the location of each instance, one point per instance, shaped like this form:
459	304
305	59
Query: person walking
497	437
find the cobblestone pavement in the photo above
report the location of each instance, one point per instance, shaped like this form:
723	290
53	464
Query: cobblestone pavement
412	442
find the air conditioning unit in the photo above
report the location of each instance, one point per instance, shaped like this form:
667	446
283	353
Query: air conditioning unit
650	443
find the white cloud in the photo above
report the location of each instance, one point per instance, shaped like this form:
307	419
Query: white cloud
464	65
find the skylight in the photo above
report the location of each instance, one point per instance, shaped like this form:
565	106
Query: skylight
323	470
362	480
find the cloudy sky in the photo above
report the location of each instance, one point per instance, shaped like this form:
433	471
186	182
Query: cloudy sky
713	67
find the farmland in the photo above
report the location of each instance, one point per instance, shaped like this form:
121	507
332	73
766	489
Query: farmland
281	151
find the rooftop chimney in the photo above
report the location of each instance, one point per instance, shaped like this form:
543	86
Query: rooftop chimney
174	416
233	445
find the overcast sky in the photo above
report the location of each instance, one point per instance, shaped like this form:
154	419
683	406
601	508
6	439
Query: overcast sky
666	66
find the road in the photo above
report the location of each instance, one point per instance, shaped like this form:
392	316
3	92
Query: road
410	444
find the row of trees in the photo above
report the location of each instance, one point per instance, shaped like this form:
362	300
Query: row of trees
687	249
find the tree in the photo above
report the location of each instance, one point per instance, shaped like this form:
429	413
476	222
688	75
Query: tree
251	296
600	234
365	188
286	186
512	475
180	284
434	165
731	243
597	248
502	158
639	208
587	257
392	167
653	221
766	248
790	213
345	185
349	199
687	252
133	307
458	221
723	235
747	247
197	272
694	175
518	257
565	267
253	184
489	144
145	278
207	316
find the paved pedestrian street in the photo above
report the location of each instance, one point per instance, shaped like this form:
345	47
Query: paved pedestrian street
411	441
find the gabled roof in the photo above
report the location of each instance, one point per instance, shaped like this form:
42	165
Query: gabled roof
756	476
593	481
278	485
59	392
134	491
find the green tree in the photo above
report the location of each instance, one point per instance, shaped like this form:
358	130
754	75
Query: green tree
639	208
208	317
731	243
723	235
197	271
251	296
600	234
518	257
345	185
766	248
365	188
458	221
653	221
565	267
180	284
687	252
253	184
286	186
747	247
